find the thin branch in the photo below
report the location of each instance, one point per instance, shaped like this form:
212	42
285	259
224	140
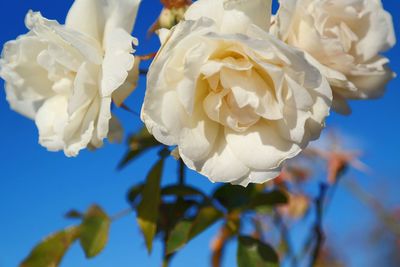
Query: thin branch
318	228
128	109
331	193
147	56
121	214
167	257
218	246
143	72
322	205
278	220
181	172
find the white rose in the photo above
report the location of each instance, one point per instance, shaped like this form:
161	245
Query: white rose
235	100
64	77
345	37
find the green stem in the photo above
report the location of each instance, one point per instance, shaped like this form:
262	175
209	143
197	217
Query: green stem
165	262
166	257
318	229
121	214
181	172
292	259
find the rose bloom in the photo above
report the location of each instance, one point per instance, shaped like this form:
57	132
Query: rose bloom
235	100
65	77
345	37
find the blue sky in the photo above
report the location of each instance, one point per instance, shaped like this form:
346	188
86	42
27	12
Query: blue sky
37	187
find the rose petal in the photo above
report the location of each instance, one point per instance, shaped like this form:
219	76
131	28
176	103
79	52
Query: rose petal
118	61
260	147
99	18
50	29
51	121
221	164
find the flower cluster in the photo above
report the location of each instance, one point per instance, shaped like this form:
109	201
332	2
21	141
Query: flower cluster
344	39
65	76
236	89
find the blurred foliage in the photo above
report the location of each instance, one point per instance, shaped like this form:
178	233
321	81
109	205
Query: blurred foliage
94	231
148	208
92	234
253	252
177	213
52	249
138	144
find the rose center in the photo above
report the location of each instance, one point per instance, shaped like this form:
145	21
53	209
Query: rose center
237	95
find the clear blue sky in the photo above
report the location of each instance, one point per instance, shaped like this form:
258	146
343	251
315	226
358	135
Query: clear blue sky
37	187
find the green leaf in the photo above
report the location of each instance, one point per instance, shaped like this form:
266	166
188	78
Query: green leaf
148	208
268	199
178	236
51	250
206	217
94	231
172	213
254	253
186	230
74	214
138	143
233	196
181	191
134	193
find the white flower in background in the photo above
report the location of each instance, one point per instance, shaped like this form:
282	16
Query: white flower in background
345	37
65	76
235	100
